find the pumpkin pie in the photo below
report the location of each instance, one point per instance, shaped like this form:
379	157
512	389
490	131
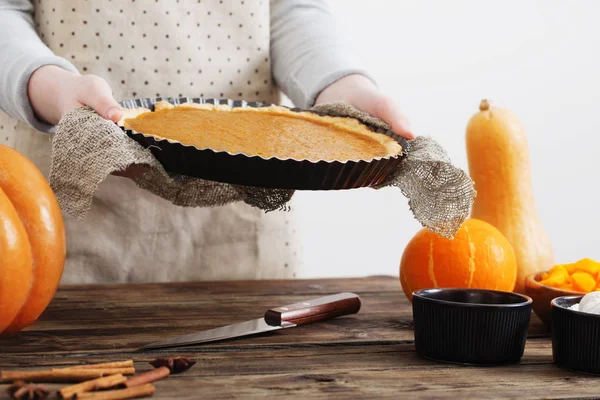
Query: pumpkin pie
272	131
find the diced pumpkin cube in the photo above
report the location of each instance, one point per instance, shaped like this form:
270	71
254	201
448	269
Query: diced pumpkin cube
550	282
570	267
588	265
583	281
557	276
559	271
545	276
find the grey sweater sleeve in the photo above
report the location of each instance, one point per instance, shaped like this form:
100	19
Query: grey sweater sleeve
21	53
307	53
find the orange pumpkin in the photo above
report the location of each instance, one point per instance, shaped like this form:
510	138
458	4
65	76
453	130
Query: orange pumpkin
32	242
479	256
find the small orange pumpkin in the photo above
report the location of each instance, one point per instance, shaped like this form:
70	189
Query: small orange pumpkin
32	242
479	257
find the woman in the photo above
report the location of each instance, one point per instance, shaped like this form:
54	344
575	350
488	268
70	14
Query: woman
59	55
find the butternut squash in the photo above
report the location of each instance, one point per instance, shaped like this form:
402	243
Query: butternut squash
499	165
32	242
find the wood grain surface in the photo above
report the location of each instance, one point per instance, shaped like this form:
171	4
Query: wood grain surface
366	355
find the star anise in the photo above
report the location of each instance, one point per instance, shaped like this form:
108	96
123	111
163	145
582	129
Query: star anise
175	365
20	390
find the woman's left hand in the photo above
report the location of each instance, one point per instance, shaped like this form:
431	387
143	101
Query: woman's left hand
360	92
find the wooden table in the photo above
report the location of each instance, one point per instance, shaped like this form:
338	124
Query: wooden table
368	355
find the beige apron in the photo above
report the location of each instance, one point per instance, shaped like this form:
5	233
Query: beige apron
207	48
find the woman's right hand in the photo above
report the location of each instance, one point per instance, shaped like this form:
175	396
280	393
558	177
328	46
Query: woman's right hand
53	92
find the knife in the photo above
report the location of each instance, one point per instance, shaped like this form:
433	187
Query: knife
276	318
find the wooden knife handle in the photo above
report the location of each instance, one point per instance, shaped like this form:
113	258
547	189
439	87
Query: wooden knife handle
314	310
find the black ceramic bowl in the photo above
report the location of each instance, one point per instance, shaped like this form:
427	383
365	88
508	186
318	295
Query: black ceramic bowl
575	336
471	326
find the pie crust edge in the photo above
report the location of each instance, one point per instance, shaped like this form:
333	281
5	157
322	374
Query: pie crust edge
392	146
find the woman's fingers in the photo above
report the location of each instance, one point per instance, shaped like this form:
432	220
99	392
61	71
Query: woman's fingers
53	92
360	92
96	93
386	109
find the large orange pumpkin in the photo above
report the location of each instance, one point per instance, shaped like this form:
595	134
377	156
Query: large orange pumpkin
32	242
479	256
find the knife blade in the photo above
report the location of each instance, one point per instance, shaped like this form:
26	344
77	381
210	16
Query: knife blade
274	319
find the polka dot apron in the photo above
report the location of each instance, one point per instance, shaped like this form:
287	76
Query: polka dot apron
195	48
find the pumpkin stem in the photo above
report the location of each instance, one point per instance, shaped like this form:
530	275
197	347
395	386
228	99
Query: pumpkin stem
484	105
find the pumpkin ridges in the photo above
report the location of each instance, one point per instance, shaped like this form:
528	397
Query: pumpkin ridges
36	205
16	265
418	251
431	264
472	264
499	249
428	256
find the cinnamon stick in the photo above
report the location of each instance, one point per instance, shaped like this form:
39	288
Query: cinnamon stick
62	375
104	371
147	377
114	364
120	394
106	382
49	376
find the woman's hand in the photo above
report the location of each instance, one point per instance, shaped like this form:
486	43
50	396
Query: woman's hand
53	92
360	92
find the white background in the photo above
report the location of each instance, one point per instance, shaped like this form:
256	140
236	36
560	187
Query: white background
438	59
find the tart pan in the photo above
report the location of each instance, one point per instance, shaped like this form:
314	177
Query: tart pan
256	171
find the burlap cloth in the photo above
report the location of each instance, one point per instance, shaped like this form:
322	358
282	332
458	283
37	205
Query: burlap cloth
86	149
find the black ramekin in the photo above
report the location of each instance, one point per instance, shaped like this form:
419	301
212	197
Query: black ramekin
471	326
575	336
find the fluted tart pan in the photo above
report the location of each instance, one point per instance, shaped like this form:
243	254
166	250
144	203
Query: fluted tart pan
257	171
